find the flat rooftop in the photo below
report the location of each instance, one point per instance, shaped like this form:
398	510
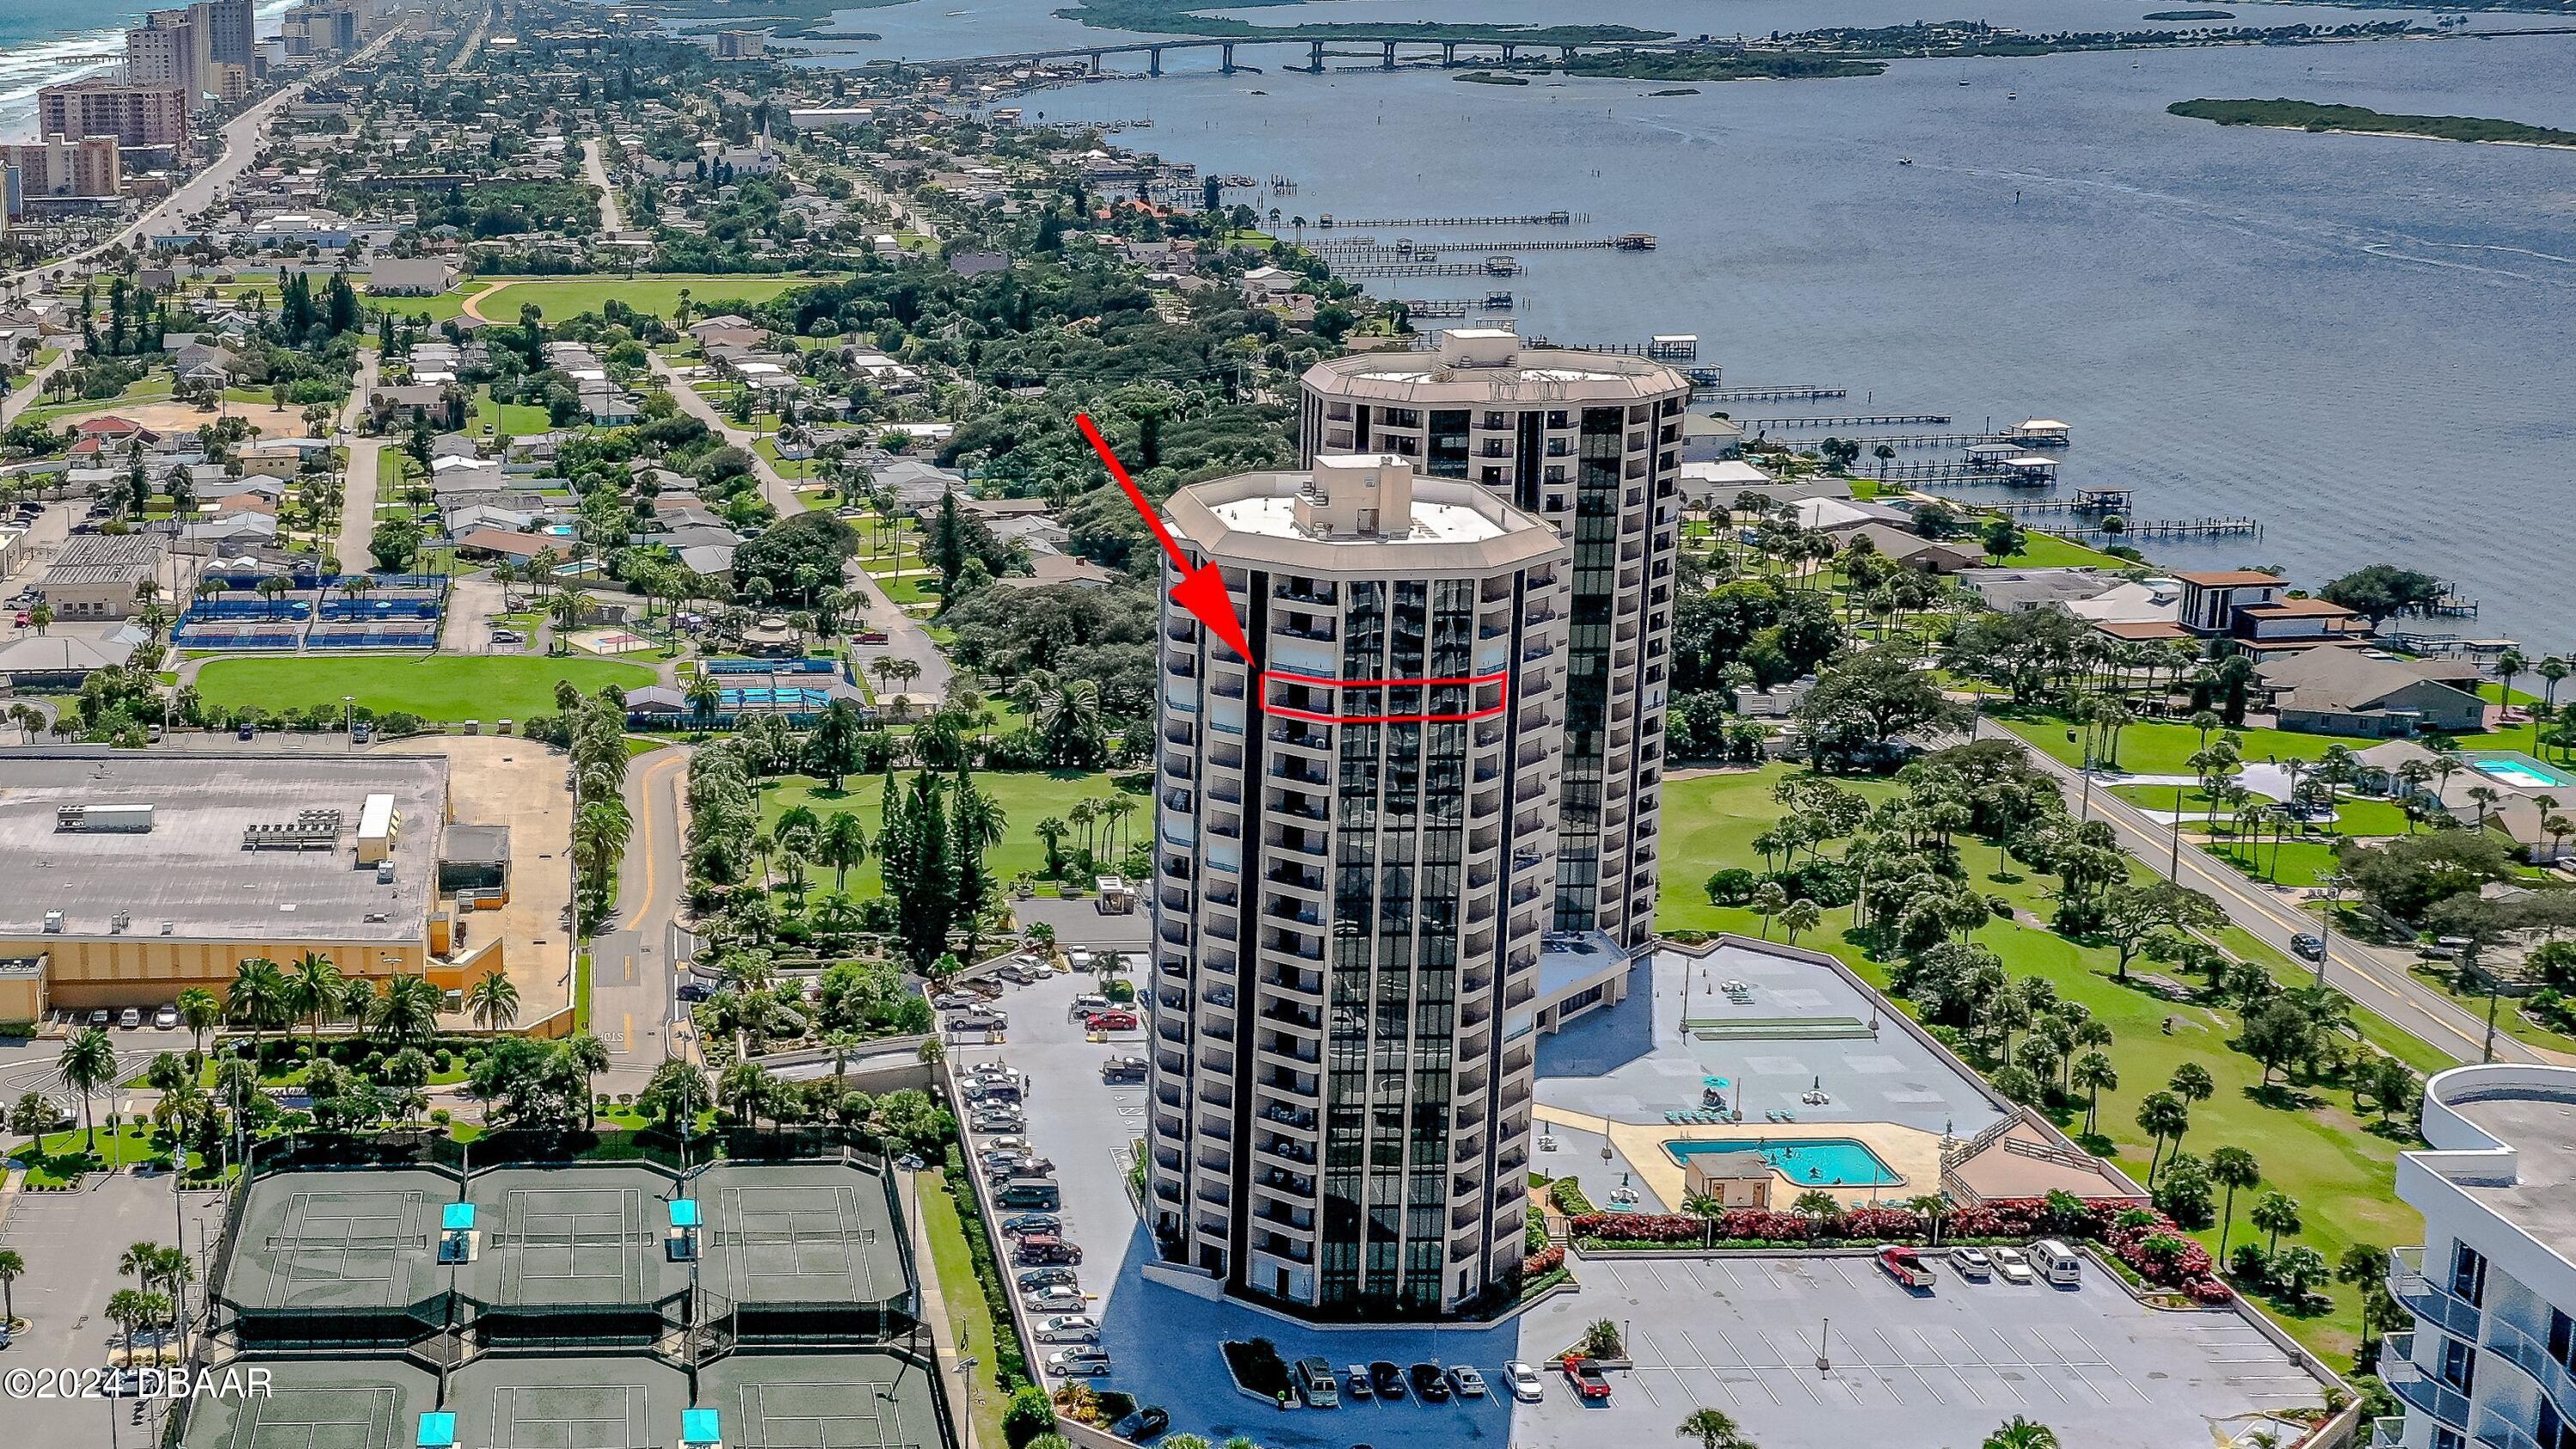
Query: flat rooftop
1433	522
190	877
2530	1112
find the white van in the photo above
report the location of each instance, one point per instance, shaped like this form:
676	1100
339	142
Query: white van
2056	1262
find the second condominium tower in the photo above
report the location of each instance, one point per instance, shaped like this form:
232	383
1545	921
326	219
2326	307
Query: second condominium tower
1591	443
1354	872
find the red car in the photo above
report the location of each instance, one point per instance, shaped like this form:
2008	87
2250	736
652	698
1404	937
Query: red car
1112	1021
1587	1380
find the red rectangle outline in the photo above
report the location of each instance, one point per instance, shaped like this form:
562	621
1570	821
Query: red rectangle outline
1501	677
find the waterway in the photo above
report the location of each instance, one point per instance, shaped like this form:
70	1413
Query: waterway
2361	341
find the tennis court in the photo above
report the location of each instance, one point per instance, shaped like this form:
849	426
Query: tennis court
798	1234
568	1403
821	1401
318	1404
323	1240
573	1237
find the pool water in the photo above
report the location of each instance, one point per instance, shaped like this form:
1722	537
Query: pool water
1804	1161
2518	768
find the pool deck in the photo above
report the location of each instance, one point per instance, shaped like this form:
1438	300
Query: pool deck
1913	1154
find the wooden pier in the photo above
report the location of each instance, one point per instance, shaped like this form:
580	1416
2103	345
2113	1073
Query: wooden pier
1543	218
1787	392
1962	471
1680	347
2088	501
1883	420
1934	440
1490	267
2171	528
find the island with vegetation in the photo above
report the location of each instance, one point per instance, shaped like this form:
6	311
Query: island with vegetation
2190	15
1489	78
2311	116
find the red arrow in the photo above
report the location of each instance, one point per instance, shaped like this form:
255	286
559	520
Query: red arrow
1202	589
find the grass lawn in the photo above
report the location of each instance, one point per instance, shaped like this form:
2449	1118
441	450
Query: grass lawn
2048	551
519	420
61	1157
1026	797
153	387
561	298
436	687
2309	1140
2153	748
970	1326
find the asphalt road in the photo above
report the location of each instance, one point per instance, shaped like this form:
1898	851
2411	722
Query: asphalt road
2373	976
612	219
632	975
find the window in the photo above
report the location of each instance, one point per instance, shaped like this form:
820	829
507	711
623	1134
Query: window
2562	1339
2459	1365
2468	1275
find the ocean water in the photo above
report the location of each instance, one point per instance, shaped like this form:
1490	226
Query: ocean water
42	44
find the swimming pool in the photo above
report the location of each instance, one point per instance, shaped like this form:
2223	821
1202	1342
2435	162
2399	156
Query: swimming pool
2516	768
1804	1161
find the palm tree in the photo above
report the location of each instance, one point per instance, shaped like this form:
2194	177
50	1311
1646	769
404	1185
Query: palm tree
405	1012
2232	1168
314	983
2160	1116
258	997
493	1001
12	1268
2090	1074
705	697
1712	1429
2021	1433
2275	1213
200	1011
88	1063
587	1055
842	844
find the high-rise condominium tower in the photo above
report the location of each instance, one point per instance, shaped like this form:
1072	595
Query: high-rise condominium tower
1355	864
1591	443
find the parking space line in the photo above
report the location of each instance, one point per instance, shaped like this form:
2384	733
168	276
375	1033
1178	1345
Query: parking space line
1716	1374
1897	1359
2119	1375
1639	1378
1978	1358
1943	1361
1744	1372
2020	1358
1788	1364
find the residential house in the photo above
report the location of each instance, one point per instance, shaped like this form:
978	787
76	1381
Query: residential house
2337	691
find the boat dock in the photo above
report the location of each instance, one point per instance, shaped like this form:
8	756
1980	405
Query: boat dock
1335	246
1674	347
1883	420
1938	440
2171	528
1787	392
1489	267
1543	218
2093	501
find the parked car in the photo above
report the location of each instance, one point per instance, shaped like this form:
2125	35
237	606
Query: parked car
2014	1265
1078	1363
166	1019
979	1021
1112	1020
1040	1249
1087	1003
507	636
1387	1377
1469	1383
1020	1225
1017	1164
1356	1385
694	991
2309	948
1315	1381
246	732
1586	1377
1524	1381
1122	1069
870	636
1430	1382
1033	1279
1069	1328
1008	1143
1974	1264
1054	1300
98	1017
956	1001
1144	1424
361	732
996	1119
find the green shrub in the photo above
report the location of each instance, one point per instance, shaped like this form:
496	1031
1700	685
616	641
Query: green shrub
1028	1416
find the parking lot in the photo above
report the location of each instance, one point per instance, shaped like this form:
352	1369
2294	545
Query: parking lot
1163	1341
1945	1367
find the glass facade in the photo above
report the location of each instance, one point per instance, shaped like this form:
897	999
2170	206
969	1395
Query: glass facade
1587	679
1399	819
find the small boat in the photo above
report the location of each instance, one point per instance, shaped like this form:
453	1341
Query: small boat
2012	95
1904	160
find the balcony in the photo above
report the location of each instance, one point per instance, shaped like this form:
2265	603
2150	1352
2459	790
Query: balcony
1286	1151
2529	1354
1279	1247
2429	1300
2495	1431
2439	1401
1296	1184
1295	1119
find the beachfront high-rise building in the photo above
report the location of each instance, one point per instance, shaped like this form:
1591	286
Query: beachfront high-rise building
59	166
231	34
2492	1359
1354	867
174	48
1591	443
140	117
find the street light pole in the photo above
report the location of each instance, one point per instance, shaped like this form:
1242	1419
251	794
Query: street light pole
2325	932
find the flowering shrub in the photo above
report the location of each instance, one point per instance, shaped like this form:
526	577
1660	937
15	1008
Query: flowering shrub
2146	1240
1543	1262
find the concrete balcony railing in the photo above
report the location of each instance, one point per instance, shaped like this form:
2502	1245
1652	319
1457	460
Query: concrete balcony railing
2439	1401
2427	1298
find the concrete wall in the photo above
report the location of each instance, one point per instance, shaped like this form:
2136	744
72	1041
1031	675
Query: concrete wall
148	970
